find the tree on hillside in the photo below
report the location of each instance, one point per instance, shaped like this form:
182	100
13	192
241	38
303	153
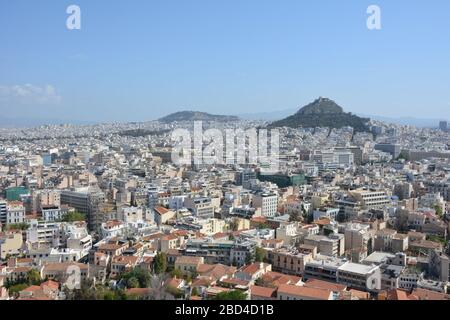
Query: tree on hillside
160	263
231	295
136	278
439	211
74	217
34	277
260	254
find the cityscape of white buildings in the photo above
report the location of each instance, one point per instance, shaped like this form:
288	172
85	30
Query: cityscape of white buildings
349	216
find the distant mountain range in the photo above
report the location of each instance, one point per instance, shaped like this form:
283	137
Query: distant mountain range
25	122
406	121
196	116
323	112
268	116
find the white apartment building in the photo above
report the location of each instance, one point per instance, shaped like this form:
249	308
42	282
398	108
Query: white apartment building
15	213
359	276
54	255
371	199
113	228
333	157
201	207
132	214
268	202
54	213
177	202
330	213
44	234
288	233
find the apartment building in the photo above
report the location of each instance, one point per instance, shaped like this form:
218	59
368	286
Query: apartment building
292	292
328	213
289	233
162	215
391	241
371	199
220	251
62	271
323	268
357	237
88	201
267	202
188	264
53	212
44	234
359	276
333	246
201	207
10	243
289	260
15	212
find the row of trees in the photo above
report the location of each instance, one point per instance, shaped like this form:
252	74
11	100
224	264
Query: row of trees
155	281
17	226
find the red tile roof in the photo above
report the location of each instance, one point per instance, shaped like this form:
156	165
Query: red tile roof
314	293
263	291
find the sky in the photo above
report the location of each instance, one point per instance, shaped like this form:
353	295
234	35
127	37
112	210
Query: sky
142	59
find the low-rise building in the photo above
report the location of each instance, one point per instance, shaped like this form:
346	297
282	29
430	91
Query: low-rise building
10	243
187	264
291	292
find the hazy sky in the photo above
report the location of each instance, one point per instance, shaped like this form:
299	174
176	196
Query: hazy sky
142	59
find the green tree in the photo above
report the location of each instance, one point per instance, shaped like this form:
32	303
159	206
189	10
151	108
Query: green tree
133	282
88	291
160	263
85	292
176	273
249	258
194	292
175	292
15	289
404	155
136	278
109	294
17	226
260	254
234	225
74	217
439	211
34	277
262	225
231	295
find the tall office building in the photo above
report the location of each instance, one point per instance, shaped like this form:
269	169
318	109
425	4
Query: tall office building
393	149
244	177
443	125
268	202
88	201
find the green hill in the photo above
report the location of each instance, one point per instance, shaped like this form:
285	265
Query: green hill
196	116
323	112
